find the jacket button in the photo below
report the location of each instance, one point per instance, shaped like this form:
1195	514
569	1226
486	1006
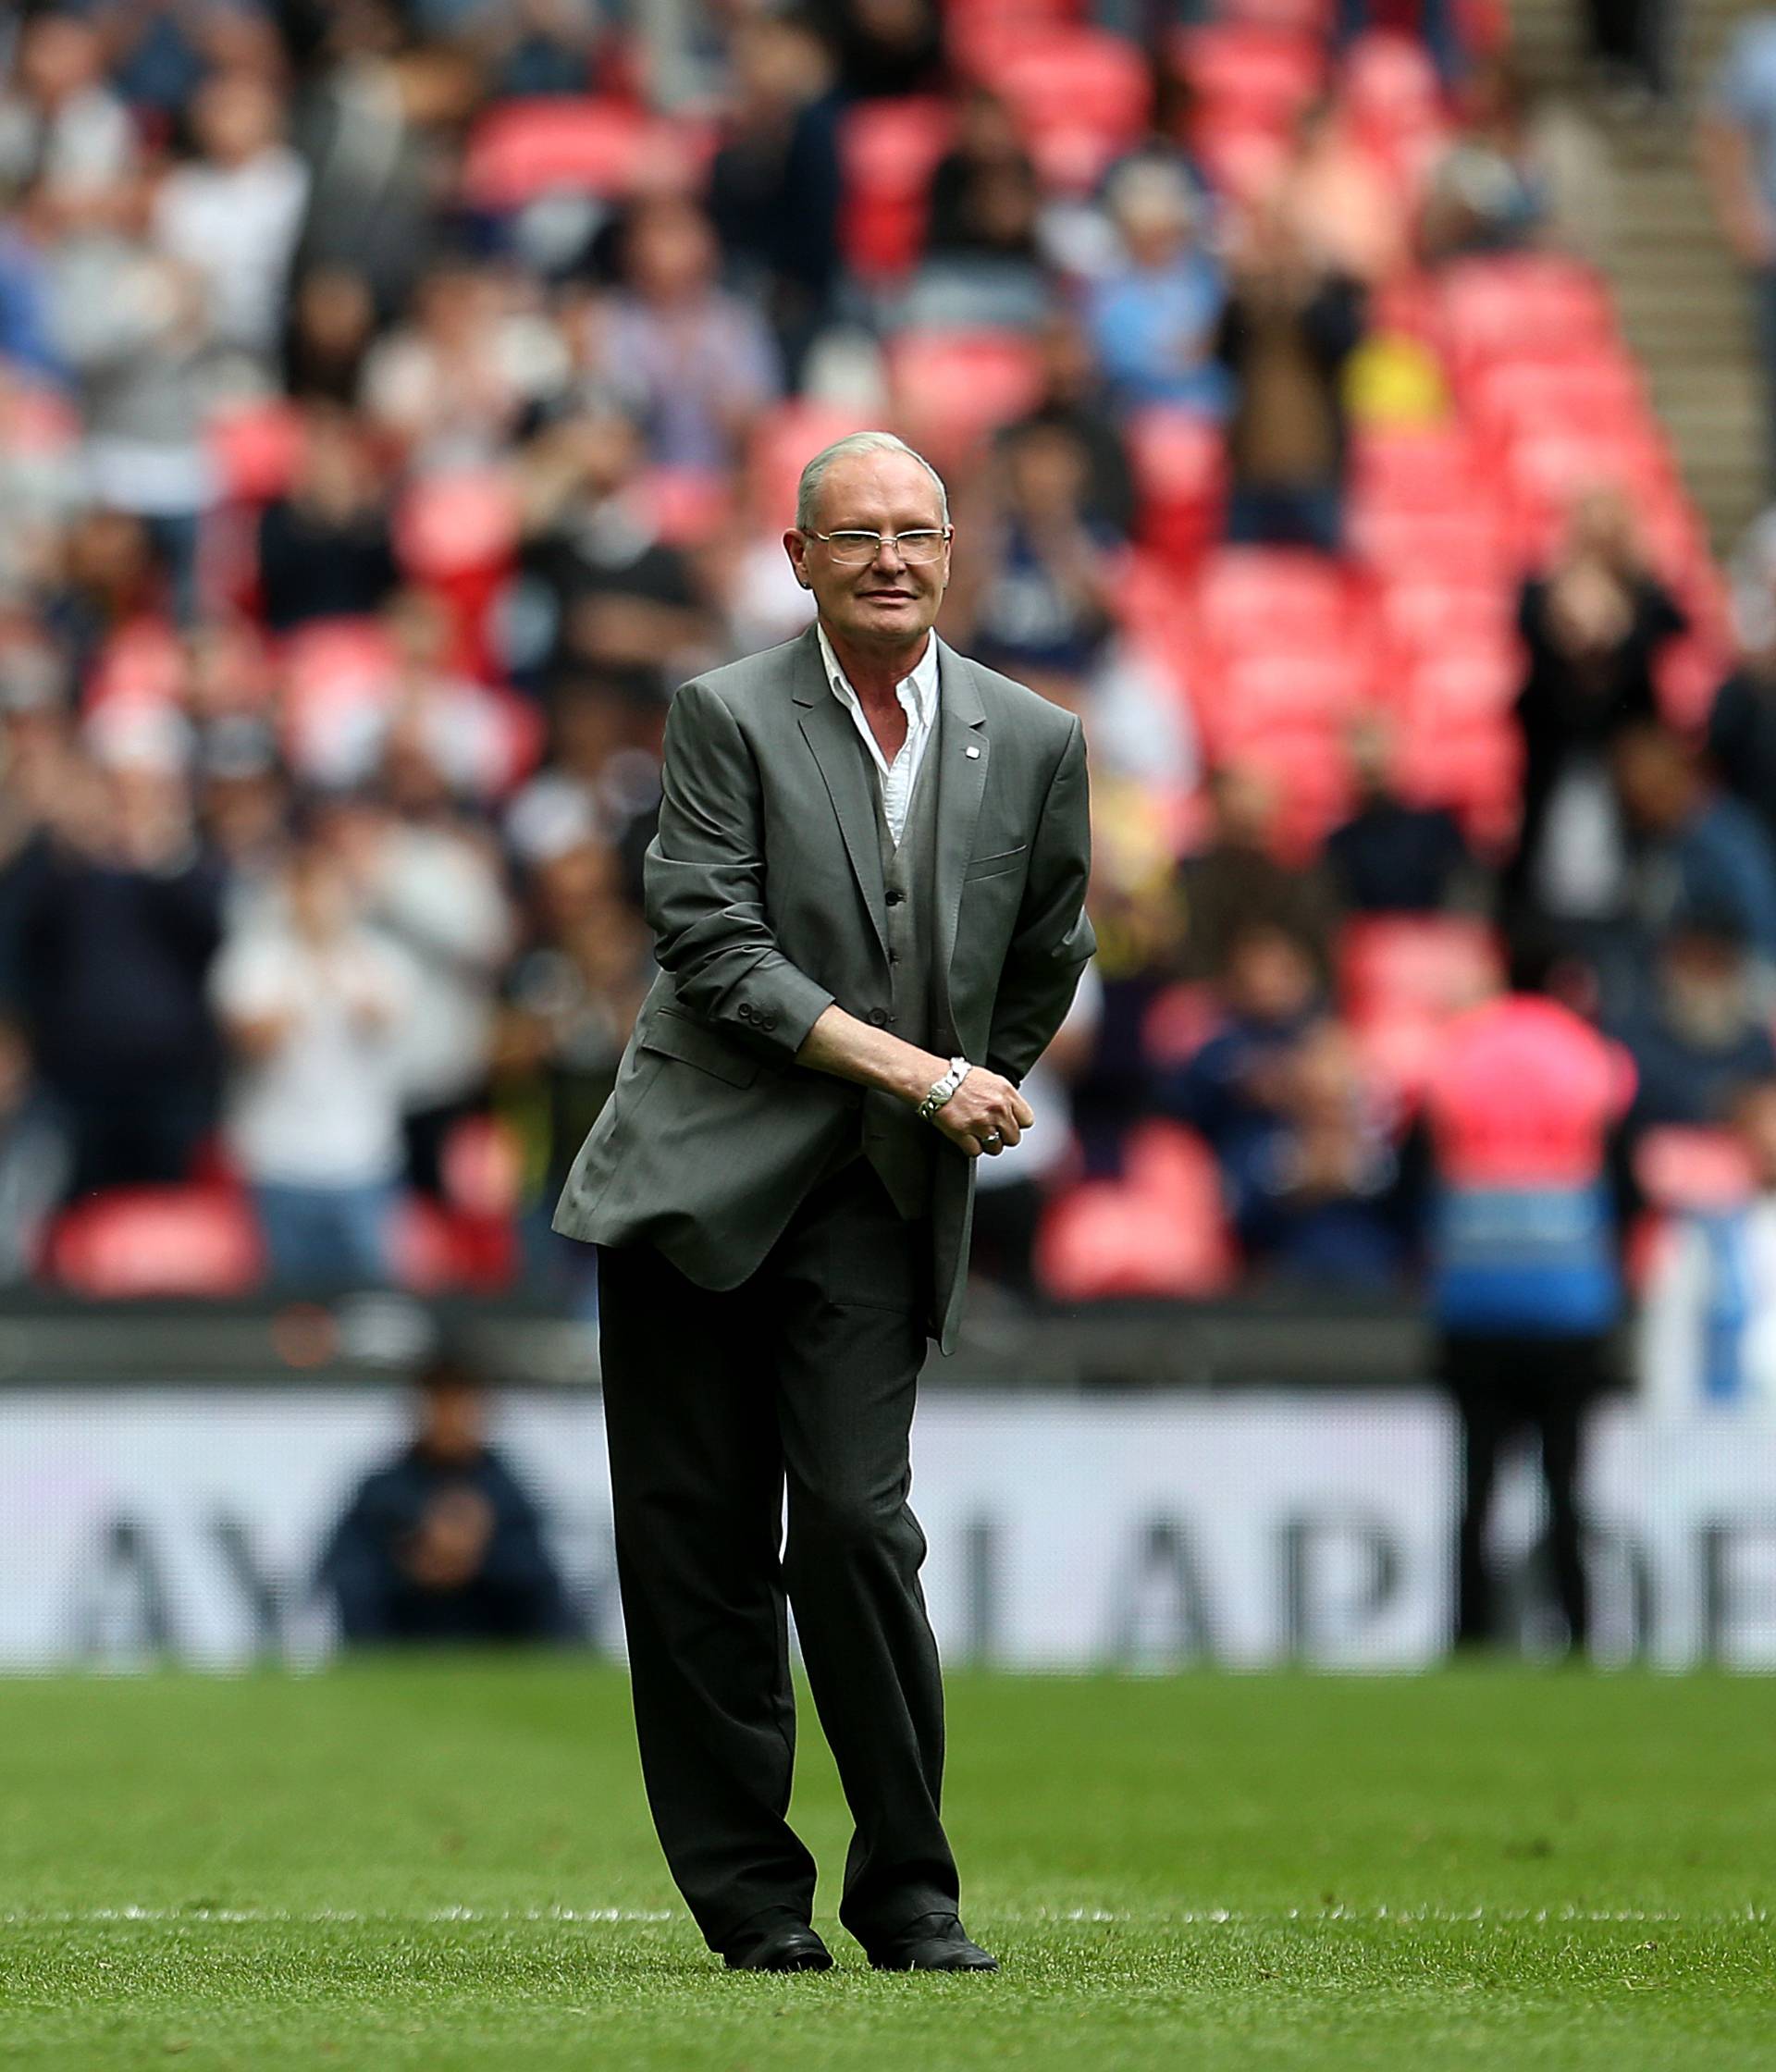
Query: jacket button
745	1012
879	1016
770	1022
894	898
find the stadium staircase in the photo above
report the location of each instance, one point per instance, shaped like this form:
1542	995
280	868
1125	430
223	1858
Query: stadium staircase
1682	307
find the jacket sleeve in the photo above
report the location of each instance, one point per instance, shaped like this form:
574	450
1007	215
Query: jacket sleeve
1053	940
704	886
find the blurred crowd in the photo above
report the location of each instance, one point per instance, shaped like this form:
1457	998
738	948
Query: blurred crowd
399	398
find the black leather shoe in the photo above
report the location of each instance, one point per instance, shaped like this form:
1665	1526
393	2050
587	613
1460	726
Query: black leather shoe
934	1942
789	1947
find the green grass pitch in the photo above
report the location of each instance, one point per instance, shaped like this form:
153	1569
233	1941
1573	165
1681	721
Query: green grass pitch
446	1864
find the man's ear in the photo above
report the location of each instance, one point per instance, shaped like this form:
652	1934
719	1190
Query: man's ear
796	546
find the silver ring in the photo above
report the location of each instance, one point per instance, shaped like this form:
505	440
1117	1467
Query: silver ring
992	1137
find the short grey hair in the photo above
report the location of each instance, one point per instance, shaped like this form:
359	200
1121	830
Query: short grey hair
807	490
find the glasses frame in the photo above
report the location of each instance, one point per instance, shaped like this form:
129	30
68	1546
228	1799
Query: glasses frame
946	534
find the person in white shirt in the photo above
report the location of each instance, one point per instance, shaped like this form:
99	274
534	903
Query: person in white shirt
233	214
315	1003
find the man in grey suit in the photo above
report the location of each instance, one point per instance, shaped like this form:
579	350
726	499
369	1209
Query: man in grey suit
867	894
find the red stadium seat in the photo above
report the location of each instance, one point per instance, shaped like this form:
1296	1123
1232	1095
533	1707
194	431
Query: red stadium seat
1160	1231
1476	771
1503	306
1243	158
953	388
889	150
1243	72
1177	1022
1434	964
134	1243
1697	1170
1392	102
457	524
688	506
786	439
254	448
522	150
1273	594
1082	96
1179	464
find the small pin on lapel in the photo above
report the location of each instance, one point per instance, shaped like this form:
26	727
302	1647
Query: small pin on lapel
971	751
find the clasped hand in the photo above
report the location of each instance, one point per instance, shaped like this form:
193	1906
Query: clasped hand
984	1114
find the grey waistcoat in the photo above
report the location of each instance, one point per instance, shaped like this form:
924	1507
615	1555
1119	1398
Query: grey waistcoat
898	1143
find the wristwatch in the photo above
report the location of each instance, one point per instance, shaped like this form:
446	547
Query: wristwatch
942	1088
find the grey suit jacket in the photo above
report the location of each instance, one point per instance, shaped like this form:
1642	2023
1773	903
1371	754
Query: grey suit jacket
763	888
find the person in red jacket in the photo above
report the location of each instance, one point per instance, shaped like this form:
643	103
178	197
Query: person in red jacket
1521	1109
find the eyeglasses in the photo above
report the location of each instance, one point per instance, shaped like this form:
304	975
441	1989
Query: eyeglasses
853	549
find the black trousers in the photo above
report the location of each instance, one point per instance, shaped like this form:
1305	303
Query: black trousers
1503	1385
802	1378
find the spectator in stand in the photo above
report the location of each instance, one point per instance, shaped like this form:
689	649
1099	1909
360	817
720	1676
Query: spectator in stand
1344	207
1040	592
1314	1184
325	548
243	805
1233	1088
443	1545
984	260
1522	1102
1706	1339
375	127
1009	1199
601	779
1699	1029
1738	142
570	1002
1290	326
536	47
132	323
453	385
1594	627
694	363
430	882
331	322
600	589
1488	193
313	1001
885	47
1236	879
1389	857
1153	316
62	126
775	186
232	214
1690	848
1073	399
1436	23
105	577
115	911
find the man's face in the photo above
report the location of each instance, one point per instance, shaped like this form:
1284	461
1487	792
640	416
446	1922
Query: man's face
890	602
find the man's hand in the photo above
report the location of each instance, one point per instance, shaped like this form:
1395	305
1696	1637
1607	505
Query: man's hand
982	1104
984	1114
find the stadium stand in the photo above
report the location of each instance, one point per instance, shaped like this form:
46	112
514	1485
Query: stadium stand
584	338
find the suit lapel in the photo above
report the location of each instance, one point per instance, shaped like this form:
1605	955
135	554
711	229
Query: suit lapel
962	773
961	777
831	734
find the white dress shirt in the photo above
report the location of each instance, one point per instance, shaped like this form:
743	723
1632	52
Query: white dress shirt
918	696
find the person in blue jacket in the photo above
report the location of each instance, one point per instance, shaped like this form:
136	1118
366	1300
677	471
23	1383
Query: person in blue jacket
442	1544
